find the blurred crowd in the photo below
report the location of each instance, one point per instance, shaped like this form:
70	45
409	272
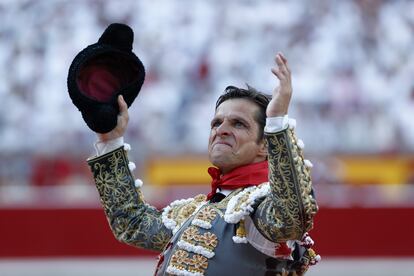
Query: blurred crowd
352	65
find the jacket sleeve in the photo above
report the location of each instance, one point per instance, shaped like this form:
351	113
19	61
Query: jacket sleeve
131	220
287	212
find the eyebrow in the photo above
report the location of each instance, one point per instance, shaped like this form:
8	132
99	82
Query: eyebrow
237	118
232	119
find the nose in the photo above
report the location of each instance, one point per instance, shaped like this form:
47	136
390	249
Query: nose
223	129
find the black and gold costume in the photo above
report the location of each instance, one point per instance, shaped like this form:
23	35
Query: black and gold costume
198	237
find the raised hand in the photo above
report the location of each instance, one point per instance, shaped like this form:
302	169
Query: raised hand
121	126
282	94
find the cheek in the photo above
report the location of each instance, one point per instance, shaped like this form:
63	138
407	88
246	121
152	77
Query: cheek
246	144
211	137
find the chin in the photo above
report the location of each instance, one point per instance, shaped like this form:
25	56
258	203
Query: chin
220	163
216	160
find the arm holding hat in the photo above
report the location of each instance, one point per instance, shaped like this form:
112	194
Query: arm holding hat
131	219
103	81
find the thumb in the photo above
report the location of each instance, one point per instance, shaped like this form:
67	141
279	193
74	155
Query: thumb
123	107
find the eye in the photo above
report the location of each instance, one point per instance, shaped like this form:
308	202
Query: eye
215	123
239	124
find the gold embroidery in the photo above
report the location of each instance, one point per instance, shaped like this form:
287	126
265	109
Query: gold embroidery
181	260
132	220
223	204
180	257
287	213
199	262
207	214
207	240
181	212
191	233
241	201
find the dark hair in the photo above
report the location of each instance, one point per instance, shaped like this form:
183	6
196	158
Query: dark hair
250	94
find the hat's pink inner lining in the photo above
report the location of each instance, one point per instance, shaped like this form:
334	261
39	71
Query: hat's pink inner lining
98	83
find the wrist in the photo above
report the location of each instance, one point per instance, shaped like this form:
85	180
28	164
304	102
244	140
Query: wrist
276	113
105	137
103	147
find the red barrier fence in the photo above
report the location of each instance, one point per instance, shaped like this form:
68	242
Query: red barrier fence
85	232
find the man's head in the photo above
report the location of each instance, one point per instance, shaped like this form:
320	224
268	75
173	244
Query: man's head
236	136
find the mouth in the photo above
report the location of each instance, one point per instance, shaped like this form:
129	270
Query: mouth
222	143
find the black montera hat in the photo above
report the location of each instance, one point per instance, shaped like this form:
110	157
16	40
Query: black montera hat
101	72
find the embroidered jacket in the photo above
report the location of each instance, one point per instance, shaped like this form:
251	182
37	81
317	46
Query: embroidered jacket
255	230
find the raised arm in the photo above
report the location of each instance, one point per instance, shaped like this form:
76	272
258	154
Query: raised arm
131	219
287	212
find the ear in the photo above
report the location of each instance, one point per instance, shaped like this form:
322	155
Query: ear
263	148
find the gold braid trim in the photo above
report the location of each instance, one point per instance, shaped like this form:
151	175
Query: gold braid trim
287	213
132	220
184	263
175	214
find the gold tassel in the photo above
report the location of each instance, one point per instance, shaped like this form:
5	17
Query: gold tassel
241	230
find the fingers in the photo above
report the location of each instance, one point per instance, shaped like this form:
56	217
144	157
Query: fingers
282	94
123	107
281	70
277	73
283	58
122	122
